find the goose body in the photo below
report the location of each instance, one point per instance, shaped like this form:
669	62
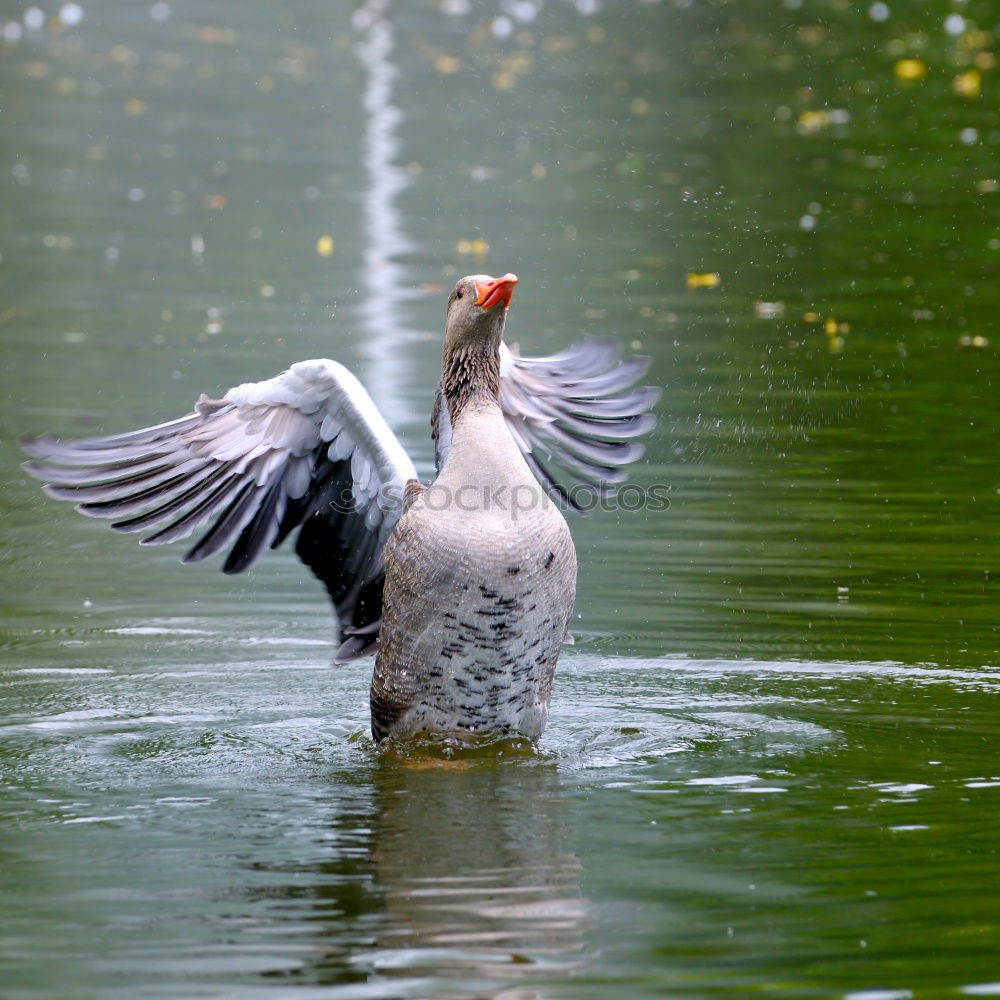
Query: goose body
480	583
464	588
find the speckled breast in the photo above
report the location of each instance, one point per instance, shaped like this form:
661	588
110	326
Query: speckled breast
475	612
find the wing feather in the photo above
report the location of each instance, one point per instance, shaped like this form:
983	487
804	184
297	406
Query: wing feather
308	446
166	496
208	503
120	488
228	525
574	415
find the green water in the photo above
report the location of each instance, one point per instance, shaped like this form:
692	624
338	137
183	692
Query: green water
771	767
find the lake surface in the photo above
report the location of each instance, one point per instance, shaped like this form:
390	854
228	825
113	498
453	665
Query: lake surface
772	763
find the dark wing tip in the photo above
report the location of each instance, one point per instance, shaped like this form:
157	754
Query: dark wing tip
354	647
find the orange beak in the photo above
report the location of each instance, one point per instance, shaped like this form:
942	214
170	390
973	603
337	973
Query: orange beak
491	292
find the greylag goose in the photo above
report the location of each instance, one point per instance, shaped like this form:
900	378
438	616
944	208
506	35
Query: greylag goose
464	587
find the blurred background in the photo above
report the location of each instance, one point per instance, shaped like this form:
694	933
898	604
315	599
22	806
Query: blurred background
793	208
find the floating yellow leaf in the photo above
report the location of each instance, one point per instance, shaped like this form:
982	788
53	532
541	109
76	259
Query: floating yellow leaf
812	121
446	64
709	280
909	69
477	247
967	84
324	246
835	330
978	341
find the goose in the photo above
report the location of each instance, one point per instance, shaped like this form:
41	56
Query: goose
464	588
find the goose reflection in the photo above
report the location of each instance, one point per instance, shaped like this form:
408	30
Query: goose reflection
433	877
478	879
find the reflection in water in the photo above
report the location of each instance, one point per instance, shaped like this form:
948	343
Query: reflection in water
452	871
477	877
382	276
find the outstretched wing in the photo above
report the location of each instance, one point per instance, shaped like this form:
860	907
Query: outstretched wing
308	448
574	415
